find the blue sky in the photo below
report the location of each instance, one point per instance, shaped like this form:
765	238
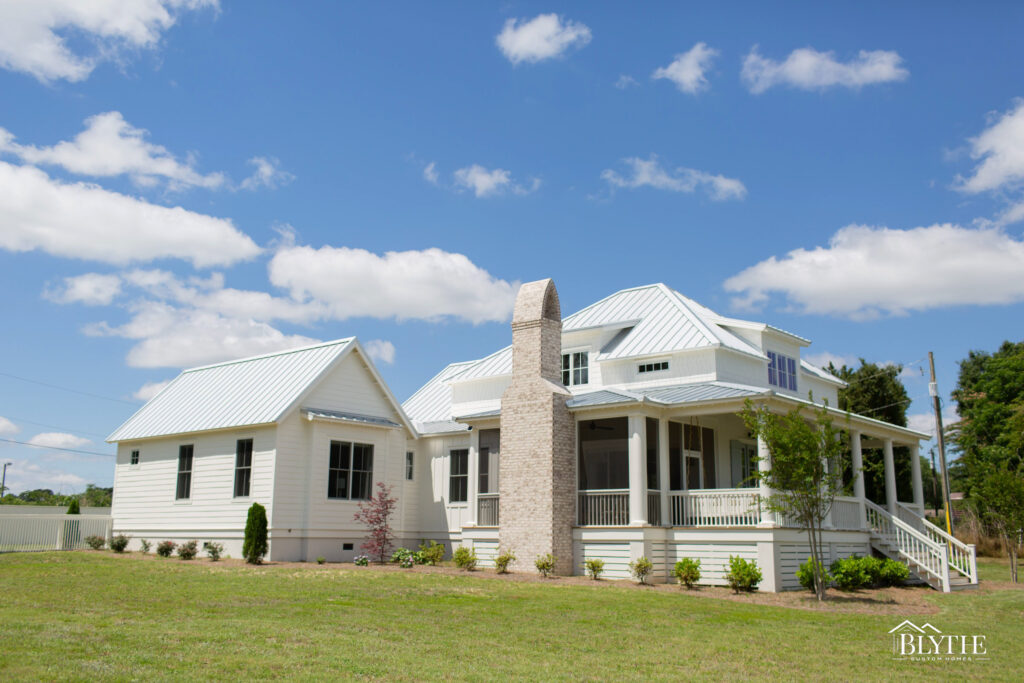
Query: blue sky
183	181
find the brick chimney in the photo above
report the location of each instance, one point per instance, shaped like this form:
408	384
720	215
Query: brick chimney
538	436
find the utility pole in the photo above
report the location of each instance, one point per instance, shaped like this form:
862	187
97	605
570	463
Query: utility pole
933	390
3	481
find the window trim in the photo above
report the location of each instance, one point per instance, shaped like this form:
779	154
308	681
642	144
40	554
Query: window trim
187	474
572	370
349	470
463	455
239	468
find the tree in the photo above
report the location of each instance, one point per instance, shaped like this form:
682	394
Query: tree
73	507
254	547
376	514
805	472
1002	513
96	496
990	437
876	391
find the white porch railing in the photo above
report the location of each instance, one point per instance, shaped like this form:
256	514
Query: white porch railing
846	513
20	533
654	508
608	507
962	556
715	507
487	509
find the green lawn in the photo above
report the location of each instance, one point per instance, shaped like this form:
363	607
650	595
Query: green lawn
94	616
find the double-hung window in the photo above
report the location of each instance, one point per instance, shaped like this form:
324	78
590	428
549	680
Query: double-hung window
184	490
243	467
458	478
409	460
575	368
781	371
135	458
350	471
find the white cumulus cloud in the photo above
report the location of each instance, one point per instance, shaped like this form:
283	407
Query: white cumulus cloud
150	389
999	151
865	272
488	183
823	358
110	146
381	350
688	69
543	37
430	173
625	82
7	428
58	440
650	173
92	289
427	285
34	33
809	69
79	220
266	173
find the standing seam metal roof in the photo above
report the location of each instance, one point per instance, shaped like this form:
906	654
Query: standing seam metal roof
250	391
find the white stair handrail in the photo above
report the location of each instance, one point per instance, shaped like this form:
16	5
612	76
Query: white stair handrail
962	556
930	556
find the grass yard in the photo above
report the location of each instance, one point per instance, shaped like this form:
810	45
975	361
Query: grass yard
97	616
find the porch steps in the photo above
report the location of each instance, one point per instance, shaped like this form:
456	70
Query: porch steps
933	556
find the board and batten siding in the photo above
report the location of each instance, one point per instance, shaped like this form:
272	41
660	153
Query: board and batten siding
350	387
144	504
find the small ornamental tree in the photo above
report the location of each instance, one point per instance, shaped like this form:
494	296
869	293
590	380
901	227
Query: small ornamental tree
376	514
73	509
255	545
804	472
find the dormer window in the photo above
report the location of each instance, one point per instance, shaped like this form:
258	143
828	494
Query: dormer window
575	368
781	371
653	367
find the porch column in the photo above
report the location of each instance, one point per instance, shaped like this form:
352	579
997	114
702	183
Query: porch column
764	464
637	471
472	483
663	471
915	478
890	477
857	461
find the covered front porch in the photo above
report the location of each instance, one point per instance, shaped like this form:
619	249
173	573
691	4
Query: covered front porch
697	469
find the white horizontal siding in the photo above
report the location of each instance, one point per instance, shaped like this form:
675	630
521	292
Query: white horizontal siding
792	555
714	558
615	556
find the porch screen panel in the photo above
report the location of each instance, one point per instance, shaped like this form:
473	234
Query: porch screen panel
675	456
490	447
604	454
652	454
708	455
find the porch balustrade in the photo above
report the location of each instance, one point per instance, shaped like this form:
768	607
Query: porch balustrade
608	507
654	508
715	508
487	509
846	514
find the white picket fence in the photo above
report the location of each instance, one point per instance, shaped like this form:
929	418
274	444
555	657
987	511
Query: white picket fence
23	533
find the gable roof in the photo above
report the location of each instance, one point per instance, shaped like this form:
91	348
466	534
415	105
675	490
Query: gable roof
238	393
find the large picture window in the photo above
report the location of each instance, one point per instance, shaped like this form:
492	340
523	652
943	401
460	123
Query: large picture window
243	467
575	368
184	489
458	479
350	471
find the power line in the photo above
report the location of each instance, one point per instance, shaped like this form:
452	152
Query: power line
58	448
43	424
73	391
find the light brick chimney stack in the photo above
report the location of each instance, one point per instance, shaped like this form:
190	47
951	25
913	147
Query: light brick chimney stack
538	437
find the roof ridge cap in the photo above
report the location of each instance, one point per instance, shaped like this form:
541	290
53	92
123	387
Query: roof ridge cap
283	352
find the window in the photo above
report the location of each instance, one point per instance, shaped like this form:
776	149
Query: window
184	472
653	367
409	457
575	368
350	471
135	458
243	467
458	480
781	371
